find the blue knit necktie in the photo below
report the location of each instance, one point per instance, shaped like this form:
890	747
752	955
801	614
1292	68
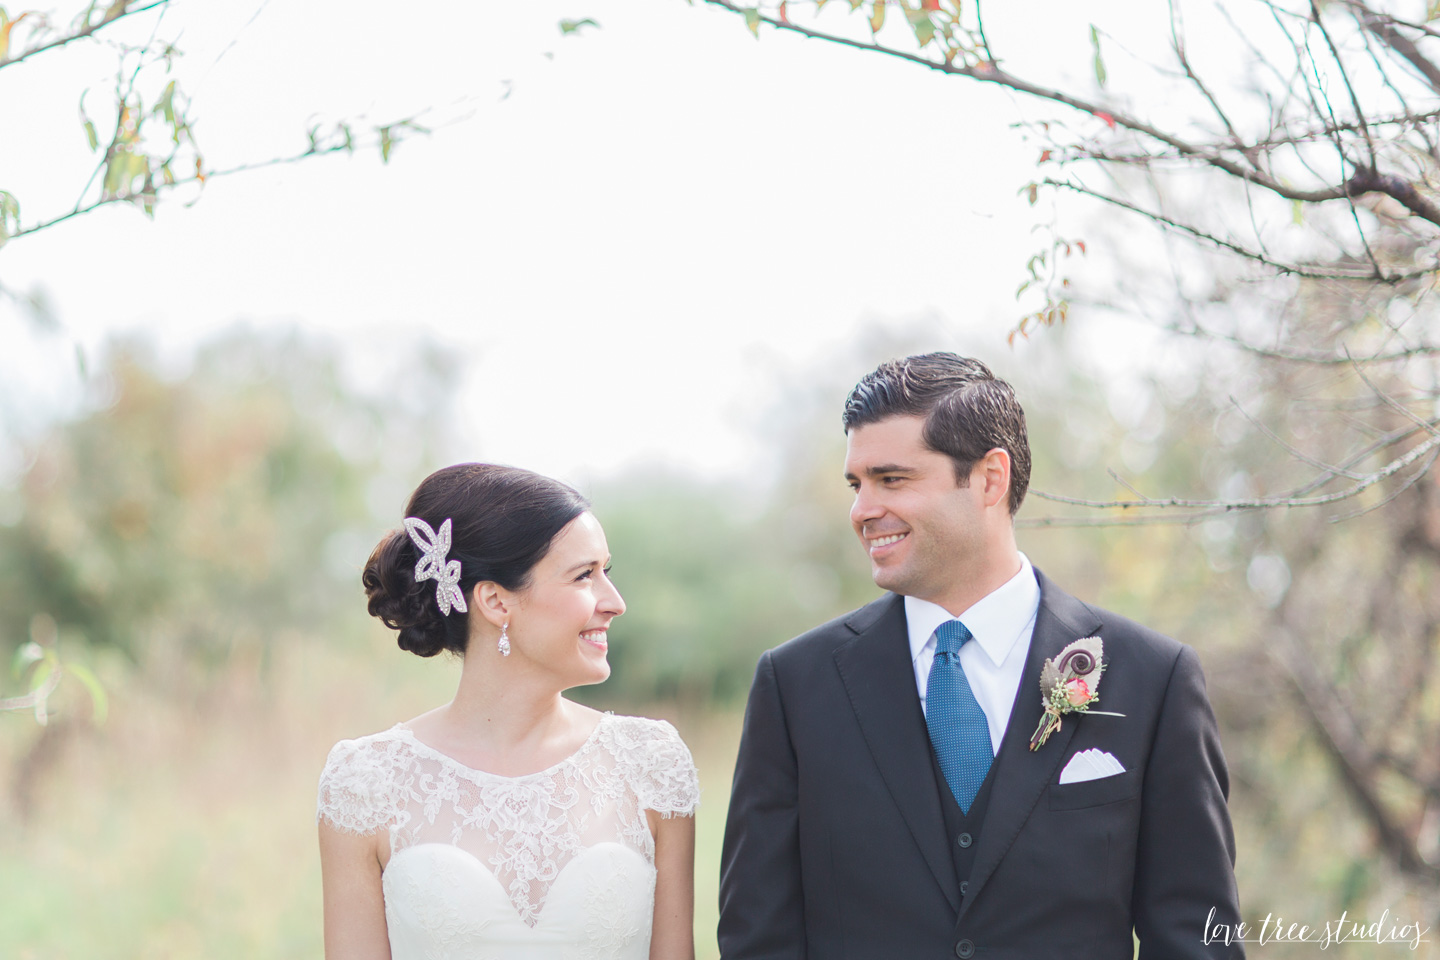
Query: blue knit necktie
958	729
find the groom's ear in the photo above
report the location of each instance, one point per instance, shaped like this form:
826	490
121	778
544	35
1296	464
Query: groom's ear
992	473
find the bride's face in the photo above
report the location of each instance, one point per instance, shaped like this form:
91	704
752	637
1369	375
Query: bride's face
562	617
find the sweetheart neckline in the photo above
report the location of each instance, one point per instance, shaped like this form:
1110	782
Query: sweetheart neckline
539	912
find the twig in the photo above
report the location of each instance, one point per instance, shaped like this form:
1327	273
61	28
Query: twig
1256	503
88	31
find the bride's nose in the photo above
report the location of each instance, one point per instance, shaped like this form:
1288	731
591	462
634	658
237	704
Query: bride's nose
610	600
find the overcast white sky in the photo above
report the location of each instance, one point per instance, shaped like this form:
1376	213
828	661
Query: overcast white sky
630	251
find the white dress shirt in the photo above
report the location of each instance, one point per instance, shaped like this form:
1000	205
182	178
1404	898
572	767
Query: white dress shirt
1002	623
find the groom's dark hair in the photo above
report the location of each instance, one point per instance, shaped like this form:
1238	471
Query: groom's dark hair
968	411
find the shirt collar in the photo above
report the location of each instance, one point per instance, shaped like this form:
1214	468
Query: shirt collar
996	621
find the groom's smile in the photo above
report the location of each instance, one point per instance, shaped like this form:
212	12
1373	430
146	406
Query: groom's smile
923	532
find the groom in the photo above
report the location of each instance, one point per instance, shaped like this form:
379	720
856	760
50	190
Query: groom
886	802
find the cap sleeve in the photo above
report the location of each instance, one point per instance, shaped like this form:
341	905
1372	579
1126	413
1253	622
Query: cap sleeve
356	788
667	782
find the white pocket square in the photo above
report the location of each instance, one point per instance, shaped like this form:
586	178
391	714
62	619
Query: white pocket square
1090	764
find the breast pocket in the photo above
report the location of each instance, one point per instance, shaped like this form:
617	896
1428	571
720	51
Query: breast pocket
1095	793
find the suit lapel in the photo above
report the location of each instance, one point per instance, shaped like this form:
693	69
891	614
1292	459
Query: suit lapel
1020	774
879	677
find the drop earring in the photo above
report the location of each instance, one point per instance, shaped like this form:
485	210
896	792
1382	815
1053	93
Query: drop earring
504	645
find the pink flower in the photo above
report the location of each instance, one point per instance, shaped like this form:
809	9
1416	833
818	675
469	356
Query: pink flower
1077	692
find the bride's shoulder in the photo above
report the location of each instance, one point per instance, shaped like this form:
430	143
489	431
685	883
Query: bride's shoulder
641	729
366	750
660	767
356	785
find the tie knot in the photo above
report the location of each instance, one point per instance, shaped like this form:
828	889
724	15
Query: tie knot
950	636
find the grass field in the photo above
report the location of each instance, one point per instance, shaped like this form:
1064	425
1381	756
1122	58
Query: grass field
186	830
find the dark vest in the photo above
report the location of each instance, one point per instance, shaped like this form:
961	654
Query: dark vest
962	830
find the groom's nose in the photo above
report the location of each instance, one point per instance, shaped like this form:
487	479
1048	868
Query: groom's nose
865	508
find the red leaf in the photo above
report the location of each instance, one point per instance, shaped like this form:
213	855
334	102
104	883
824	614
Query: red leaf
1109	120
784	13
1044	155
931	6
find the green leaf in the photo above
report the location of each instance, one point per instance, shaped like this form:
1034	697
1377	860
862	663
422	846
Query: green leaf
26	655
386	142
1099	61
1297	212
42	673
568	27
1433	11
924	29
91	137
9	216
166	105
98	700
114	170
752	20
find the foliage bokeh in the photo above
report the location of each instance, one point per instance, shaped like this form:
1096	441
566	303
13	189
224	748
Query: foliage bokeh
197	538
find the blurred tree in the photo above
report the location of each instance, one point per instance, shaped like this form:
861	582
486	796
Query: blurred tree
145	132
183	524
188	515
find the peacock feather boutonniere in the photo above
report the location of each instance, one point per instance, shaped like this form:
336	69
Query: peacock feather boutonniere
1070	683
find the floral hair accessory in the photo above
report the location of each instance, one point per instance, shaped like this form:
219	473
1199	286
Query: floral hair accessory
1069	683
434	548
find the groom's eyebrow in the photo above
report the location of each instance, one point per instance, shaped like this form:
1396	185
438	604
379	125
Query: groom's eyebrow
881	469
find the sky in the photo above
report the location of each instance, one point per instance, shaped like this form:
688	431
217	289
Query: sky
634	240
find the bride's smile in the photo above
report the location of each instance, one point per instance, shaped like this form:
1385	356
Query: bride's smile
559	622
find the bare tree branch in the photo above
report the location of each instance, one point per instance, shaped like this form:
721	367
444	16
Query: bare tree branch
1364	180
87	31
1291	269
1255	503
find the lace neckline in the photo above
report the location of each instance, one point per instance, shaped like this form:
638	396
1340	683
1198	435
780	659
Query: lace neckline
424	748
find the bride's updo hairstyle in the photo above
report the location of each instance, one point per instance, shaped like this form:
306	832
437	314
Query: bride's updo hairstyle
503	521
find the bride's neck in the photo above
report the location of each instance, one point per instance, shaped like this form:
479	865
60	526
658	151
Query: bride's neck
513	713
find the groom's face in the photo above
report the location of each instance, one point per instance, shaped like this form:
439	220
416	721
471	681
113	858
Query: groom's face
920	528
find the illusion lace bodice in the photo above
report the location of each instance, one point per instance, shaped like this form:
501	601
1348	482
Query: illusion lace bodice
557	864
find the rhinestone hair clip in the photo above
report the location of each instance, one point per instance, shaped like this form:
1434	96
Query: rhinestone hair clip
434	548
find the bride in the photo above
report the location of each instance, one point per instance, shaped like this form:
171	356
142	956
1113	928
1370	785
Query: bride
509	822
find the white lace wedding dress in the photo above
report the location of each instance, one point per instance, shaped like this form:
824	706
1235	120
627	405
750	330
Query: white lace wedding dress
556	865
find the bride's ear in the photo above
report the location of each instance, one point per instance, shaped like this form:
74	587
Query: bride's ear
493	602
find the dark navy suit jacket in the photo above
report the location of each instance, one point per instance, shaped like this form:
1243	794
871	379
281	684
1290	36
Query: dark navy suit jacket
836	847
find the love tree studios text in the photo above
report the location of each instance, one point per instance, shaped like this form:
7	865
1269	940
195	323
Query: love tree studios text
1342	930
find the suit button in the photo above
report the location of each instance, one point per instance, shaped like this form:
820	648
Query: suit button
965	840
964	886
964	950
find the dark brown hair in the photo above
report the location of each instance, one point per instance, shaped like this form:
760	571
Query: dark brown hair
968	411
503	520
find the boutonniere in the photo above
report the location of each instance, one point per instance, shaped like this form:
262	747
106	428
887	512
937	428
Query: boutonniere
1069	683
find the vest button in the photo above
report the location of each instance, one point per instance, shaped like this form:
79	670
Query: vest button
964	950
964	887
965	840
